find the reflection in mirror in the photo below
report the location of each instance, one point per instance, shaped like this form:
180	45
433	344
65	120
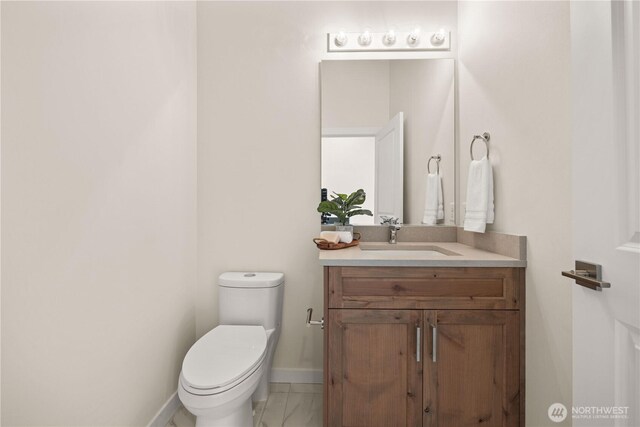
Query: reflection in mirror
381	121
349	164
368	159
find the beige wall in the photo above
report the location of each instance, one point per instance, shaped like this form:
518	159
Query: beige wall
259	145
99	216
514	82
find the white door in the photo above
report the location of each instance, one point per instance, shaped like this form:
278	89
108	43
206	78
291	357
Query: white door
606	323
389	170
348	163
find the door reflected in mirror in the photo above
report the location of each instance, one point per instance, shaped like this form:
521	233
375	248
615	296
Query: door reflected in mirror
350	164
381	121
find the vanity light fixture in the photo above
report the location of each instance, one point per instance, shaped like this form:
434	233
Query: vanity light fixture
391	40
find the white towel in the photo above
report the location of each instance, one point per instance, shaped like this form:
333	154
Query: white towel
345	236
479	211
433	200
330	236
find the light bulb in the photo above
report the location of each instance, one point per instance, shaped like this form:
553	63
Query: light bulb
438	38
341	39
413	39
364	39
389	38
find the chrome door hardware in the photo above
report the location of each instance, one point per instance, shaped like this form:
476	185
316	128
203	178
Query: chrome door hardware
418	335
588	274
434	343
313	322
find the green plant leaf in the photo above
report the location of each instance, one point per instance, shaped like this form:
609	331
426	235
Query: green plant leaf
356	198
359	212
328	206
349	199
339	201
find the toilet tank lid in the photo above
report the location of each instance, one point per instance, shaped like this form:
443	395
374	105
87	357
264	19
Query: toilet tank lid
250	279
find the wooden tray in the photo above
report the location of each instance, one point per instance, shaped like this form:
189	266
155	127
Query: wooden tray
326	245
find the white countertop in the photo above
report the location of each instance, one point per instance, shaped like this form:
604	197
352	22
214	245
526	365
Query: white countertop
467	256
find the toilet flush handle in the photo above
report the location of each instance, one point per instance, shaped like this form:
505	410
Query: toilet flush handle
313	322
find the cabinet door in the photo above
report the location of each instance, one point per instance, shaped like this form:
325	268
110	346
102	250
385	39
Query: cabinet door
374	373
473	378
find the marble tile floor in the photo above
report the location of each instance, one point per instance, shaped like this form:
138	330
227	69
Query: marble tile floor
288	405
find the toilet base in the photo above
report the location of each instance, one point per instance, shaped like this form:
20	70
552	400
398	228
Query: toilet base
241	417
231	408
262	392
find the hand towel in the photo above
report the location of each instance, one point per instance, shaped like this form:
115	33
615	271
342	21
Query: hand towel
433	201
479	210
345	236
330	236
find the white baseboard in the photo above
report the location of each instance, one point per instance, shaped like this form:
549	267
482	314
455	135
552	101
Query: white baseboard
296	376
161	419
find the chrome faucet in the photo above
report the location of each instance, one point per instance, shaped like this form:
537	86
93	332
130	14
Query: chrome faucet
394	226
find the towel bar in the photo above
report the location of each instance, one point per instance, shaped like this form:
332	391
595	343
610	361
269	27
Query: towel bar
485	137
437	158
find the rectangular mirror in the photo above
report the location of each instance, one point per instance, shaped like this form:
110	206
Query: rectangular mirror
381	122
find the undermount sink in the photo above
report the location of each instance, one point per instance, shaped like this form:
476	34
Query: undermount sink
404	247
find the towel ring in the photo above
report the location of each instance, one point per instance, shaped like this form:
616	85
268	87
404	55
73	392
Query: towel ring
437	158
485	137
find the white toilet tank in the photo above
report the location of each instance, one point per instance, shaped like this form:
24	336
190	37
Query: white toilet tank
248	298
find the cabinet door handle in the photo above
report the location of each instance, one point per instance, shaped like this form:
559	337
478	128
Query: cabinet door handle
434	341
418	335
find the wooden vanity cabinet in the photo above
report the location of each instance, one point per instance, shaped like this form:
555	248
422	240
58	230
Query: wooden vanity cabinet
375	380
382	326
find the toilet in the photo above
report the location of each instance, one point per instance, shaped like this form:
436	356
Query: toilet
229	367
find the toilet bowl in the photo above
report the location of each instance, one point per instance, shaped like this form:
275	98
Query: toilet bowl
221	372
230	364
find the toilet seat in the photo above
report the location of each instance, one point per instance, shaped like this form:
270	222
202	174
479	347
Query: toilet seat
223	358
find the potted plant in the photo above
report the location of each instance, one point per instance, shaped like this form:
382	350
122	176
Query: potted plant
345	206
